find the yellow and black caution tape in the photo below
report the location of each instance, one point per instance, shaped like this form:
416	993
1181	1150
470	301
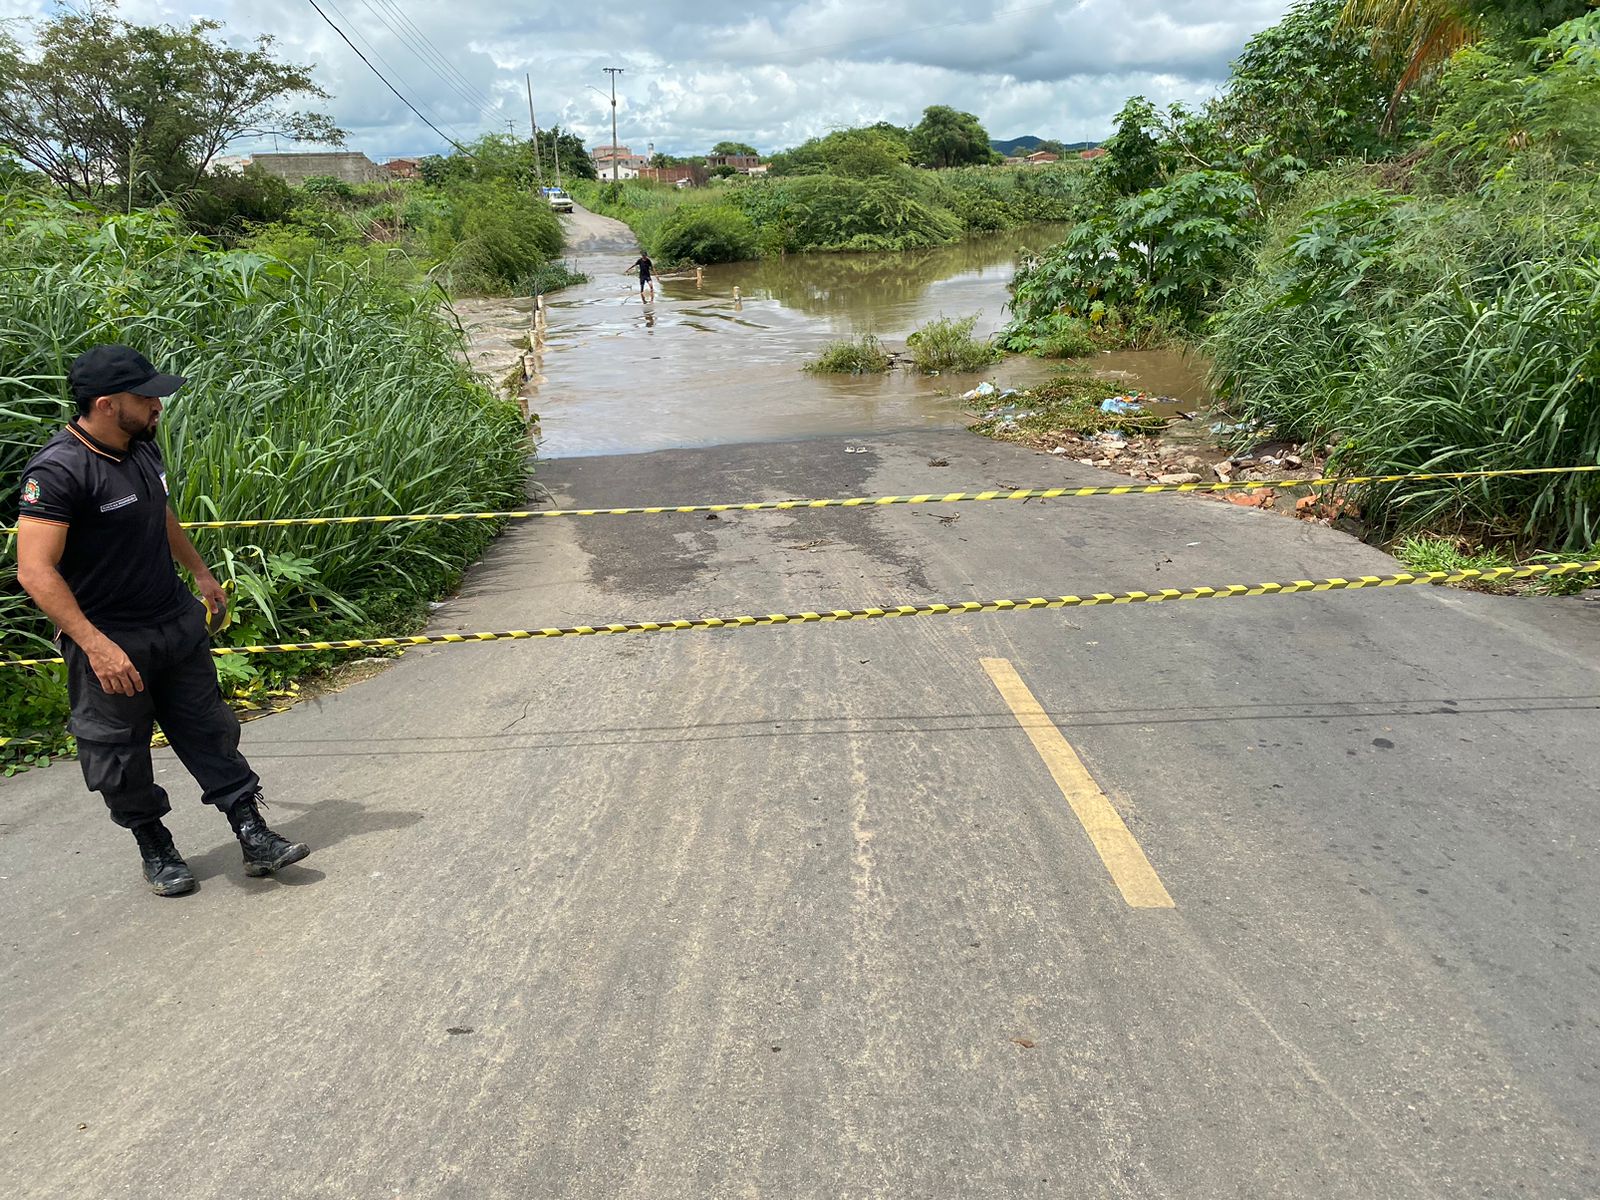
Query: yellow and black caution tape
950	608
1130	489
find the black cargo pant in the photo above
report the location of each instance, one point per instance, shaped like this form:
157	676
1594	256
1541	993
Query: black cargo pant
180	690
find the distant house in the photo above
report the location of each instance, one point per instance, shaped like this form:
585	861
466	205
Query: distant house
742	163
403	168
1042	156
1091	155
345	166
626	163
229	162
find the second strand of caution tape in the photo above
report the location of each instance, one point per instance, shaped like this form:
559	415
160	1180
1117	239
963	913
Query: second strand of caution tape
937	608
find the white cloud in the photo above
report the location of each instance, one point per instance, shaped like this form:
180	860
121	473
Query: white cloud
770	72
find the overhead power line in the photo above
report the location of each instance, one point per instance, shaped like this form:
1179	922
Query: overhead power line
386	82
429	55
398	76
444	60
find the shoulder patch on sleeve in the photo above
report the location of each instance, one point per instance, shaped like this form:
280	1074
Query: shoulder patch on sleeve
31	490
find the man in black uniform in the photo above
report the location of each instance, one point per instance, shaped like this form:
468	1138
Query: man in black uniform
96	544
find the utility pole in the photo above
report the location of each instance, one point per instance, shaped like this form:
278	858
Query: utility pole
614	72
538	168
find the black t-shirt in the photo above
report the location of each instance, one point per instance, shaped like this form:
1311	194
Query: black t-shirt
645	267
114	504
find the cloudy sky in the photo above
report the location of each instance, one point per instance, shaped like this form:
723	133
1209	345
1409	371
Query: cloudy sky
769	72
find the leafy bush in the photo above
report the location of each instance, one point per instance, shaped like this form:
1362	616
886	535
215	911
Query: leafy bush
327	187
705	234
860	355
830	212
227	204
1054	336
492	237
1169	248
550	277
947	344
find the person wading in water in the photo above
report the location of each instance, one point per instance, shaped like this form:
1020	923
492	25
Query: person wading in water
646	270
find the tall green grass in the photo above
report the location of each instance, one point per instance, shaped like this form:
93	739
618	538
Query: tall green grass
947	344
313	388
860	355
1427	336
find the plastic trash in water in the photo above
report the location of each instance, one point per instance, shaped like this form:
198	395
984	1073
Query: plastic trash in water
1223	427
1122	406
982	392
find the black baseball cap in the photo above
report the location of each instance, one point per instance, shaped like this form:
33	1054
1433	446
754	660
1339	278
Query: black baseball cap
107	370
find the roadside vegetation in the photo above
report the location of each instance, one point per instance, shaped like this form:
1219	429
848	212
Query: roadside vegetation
860	355
323	376
314	388
1384	234
853	189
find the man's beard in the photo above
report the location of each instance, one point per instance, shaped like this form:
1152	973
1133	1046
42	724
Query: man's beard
138	433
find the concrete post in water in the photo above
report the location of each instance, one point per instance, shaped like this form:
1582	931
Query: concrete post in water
699	278
738	303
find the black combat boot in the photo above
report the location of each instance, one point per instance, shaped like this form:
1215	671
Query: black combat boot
164	868
264	851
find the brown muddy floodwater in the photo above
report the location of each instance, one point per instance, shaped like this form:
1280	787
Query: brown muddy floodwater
719	362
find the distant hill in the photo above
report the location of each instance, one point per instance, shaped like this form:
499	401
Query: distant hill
1026	144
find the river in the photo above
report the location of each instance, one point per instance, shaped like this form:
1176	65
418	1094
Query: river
718	360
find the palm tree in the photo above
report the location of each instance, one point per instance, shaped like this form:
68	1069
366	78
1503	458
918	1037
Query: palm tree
1419	36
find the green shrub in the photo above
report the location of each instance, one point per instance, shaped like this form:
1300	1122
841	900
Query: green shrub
493	237
1054	336
551	277
328	188
227	204
702	234
860	355
947	344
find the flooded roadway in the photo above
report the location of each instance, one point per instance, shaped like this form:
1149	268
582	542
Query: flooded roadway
718	360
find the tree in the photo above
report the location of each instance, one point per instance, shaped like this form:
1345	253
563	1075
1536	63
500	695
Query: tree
856	153
736	148
1308	89
947	138
507	158
1132	160
1417	37
102	102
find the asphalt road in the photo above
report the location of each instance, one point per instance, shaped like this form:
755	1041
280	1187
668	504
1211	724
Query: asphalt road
804	911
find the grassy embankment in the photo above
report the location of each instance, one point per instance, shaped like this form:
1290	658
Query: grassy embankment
316	386
1402	284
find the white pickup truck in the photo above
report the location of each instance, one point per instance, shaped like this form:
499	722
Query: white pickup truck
559	200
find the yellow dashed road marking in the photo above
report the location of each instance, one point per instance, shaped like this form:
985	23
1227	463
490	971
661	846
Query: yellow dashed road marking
1141	887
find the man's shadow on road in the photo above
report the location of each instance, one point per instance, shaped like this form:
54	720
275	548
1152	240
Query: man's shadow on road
319	825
